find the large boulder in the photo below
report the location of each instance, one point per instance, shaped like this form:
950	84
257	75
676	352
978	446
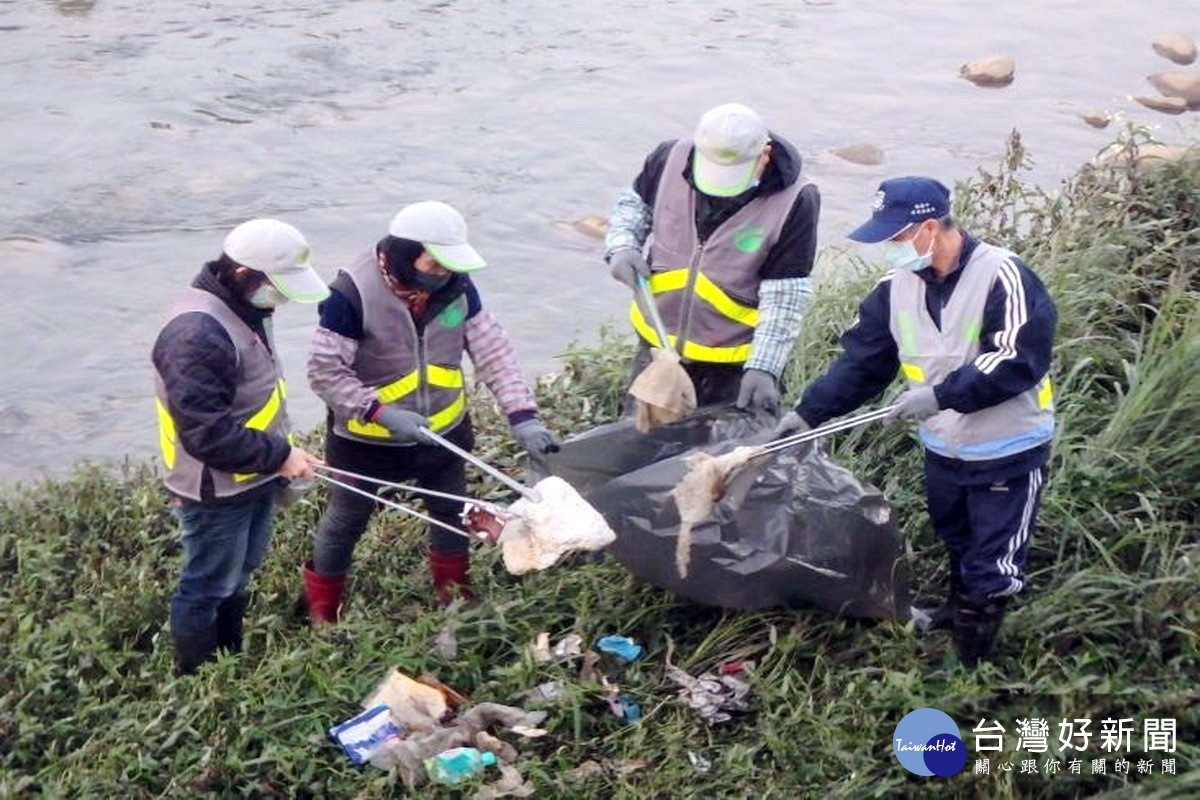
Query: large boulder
1178	84
1167	105
994	70
1176	47
865	154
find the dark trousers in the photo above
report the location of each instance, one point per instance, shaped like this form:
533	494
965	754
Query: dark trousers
430	466
223	544
985	525
716	384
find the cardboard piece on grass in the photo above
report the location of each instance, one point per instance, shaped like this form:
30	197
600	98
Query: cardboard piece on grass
415	705
663	390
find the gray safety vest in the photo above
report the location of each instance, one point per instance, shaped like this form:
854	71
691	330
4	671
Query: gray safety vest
928	355
419	372
707	294
259	402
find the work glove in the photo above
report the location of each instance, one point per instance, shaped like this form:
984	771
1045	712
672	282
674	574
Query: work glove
791	424
759	392
628	265
404	425
533	436
916	404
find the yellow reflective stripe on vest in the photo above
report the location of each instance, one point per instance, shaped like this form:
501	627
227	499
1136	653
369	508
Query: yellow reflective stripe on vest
736	354
715	296
450	414
444	377
1045	395
643	327
166	434
399	388
676	280
670	281
262	420
912	372
728	307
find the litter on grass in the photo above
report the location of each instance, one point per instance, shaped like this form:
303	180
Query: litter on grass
540	533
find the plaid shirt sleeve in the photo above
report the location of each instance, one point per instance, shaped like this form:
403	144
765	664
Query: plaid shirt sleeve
629	223
781	305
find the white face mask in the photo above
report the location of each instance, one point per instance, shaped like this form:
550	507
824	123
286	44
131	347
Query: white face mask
266	297
904	255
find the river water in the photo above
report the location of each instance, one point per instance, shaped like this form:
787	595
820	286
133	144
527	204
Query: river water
136	134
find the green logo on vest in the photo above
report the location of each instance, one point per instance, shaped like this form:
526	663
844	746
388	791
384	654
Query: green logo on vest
452	315
749	239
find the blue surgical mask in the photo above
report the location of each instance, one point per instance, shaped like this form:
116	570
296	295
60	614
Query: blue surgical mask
904	255
266	297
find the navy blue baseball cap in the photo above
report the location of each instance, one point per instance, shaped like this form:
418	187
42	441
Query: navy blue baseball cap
901	202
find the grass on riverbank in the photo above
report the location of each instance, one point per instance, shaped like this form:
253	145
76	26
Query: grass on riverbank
1109	629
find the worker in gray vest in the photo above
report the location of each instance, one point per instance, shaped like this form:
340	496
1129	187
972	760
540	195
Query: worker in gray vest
387	360
971	329
724	227
223	426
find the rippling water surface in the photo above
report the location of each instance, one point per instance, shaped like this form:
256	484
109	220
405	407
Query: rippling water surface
136	134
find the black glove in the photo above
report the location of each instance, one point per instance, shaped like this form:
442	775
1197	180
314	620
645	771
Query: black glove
404	425
627	265
791	425
533	436
759	392
916	404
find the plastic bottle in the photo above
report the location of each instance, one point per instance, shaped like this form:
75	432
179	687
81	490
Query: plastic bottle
457	764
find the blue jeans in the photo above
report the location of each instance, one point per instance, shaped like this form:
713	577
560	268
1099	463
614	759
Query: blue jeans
223	543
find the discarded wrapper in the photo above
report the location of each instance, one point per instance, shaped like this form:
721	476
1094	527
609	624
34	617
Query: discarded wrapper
363	734
622	647
711	697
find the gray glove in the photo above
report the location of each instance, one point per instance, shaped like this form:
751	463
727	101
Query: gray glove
791	424
758	392
404	425
533	436
627	264
915	404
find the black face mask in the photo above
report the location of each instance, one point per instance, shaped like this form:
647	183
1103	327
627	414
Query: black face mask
413	278
401	254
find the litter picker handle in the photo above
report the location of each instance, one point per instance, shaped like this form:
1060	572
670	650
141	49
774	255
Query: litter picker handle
524	491
825	430
650	308
398	506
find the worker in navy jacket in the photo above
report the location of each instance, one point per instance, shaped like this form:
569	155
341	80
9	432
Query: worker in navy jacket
971	329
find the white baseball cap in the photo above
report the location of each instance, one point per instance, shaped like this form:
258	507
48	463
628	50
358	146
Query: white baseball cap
729	140
441	230
280	252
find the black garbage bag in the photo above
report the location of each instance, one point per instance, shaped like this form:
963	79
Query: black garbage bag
791	529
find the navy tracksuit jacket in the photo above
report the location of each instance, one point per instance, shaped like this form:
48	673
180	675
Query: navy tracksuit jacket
985	511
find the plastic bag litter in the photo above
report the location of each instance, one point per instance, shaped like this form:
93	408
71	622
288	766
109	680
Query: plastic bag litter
539	533
710	696
790	529
663	390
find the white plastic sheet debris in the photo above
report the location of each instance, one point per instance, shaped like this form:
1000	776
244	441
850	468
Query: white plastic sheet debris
537	534
699	490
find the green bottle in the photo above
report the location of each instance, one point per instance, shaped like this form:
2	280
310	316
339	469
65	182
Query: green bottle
457	764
